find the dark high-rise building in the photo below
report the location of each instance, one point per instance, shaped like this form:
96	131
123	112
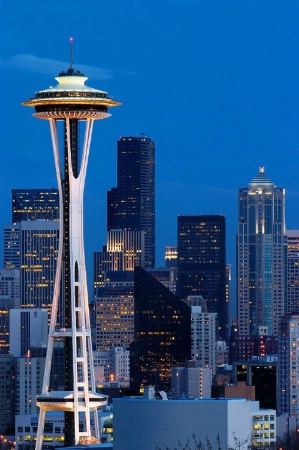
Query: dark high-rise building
260	373
34	204
131	205
8	394
202	263
162	335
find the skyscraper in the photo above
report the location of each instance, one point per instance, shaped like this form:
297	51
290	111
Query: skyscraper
162	334
292	303
288	365
8	394
34	204
39	243
31	246
261	256
27	205
131	205
9	299
203	338
11	250
31	330
114	310
124	251
202	263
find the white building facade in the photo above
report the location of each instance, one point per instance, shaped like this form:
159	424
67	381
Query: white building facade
29	328
29	380
190	382
203	338
115	364
263	428
141	423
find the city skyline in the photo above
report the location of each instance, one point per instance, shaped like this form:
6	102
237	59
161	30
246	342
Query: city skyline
215	86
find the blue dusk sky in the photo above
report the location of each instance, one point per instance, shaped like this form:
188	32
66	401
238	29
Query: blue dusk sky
213	82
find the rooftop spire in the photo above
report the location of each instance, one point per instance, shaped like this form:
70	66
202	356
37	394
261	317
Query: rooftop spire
261	179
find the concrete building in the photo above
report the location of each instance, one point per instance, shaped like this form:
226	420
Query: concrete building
29	380
10	285
114	311
115	364
32	247
222	353
38	258
190	381
30	330
203	338
9	299
263	428
146	423
12	246
7	394
26	430
240	390
6	305
292	303
288	366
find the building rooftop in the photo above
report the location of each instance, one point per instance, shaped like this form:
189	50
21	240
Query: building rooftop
261	179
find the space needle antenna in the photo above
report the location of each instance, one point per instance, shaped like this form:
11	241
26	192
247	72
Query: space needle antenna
71	52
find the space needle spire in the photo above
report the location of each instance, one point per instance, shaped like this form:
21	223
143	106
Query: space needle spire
68	106
71	52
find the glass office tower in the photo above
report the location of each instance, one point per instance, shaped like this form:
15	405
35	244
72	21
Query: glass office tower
131	205
202	263
34	204
261	256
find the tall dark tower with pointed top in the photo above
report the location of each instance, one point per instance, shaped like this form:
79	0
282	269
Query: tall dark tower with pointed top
72	105
131	205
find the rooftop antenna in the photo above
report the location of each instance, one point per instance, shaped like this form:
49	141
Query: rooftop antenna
71	52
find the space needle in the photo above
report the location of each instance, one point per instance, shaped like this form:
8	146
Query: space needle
71	106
